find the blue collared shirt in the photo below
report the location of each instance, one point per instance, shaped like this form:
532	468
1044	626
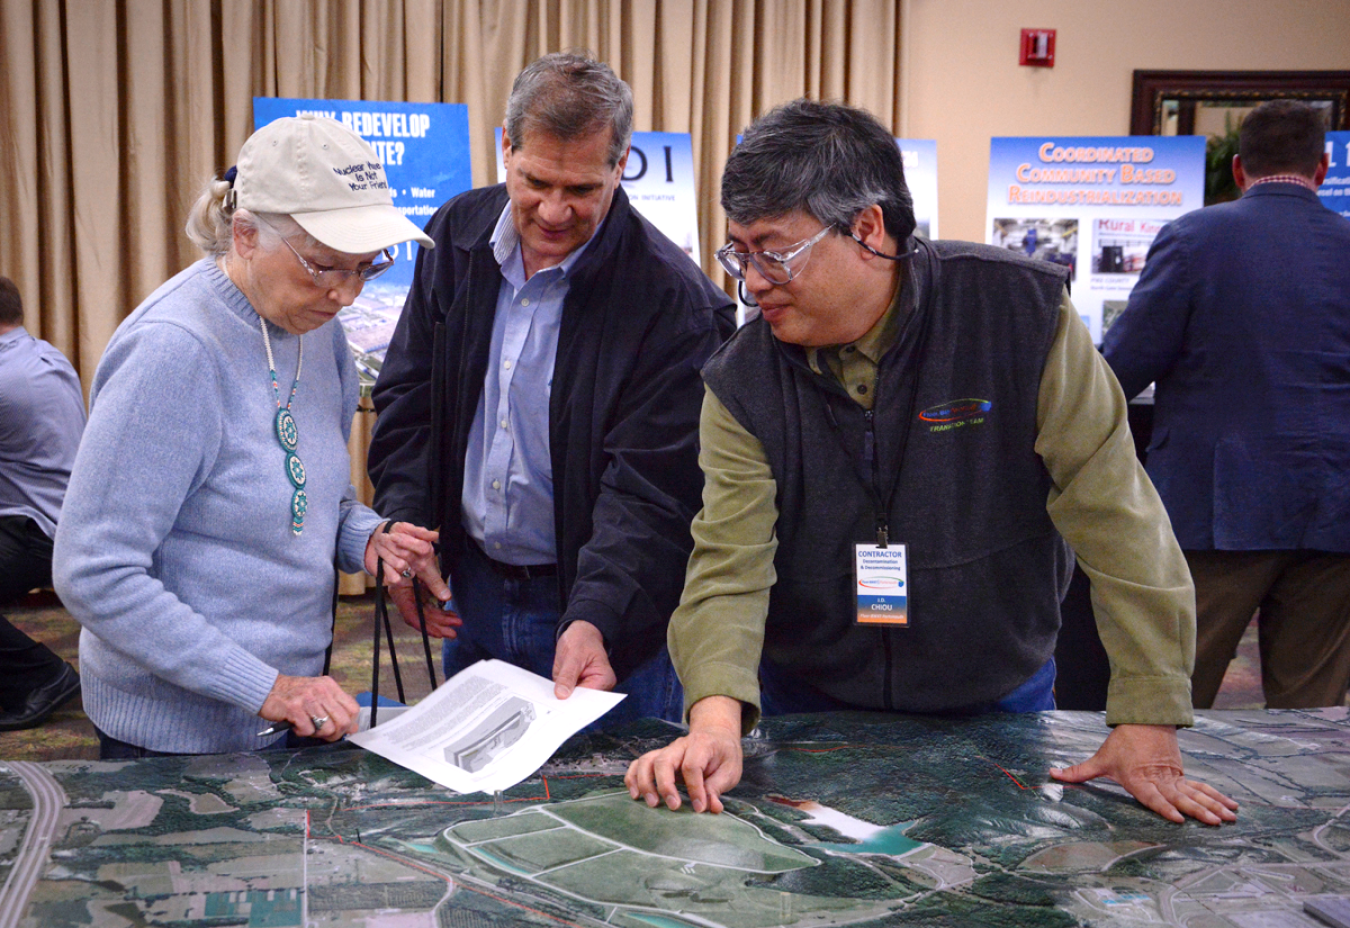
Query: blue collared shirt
508	472
41	421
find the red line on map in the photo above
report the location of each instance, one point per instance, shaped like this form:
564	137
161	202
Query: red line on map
842	747
1020	784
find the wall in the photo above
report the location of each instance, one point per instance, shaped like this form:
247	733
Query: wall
962	83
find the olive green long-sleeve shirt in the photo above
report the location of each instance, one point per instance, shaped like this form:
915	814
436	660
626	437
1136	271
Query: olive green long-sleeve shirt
1101	502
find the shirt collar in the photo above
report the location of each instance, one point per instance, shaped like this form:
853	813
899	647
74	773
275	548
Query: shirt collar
872	344
879	339
505	242
1305	182
13	335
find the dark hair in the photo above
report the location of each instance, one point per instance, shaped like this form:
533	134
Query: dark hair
1282	137
568	96
829	159
11	304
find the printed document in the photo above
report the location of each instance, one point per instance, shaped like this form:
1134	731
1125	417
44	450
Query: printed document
486	728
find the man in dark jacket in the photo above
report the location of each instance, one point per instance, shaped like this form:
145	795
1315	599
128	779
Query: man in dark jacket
539	403
1242	316
891	453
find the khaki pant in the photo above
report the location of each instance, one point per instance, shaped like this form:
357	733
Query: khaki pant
1304	625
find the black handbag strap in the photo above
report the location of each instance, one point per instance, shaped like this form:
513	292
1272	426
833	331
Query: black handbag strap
382	619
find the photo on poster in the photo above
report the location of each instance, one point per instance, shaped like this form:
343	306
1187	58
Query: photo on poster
1047	239
1111	310
1119	246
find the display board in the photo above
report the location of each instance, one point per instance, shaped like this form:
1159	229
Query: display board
425	151
920	157
1092	205
659	181
1335	190
863	819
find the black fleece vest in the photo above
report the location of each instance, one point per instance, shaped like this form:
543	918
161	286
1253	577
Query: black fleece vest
986	566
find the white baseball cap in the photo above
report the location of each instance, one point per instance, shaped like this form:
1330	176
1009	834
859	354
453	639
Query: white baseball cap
325	177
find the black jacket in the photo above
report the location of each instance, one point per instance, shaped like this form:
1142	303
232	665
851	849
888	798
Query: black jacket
638	322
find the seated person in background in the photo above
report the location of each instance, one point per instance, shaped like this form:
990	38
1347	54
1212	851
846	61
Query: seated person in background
938	395
41	418
1242	316
211	495
539	403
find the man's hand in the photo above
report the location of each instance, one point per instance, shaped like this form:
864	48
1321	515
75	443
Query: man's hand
409	551
580	660
708	759
302	701
441	622
1146	761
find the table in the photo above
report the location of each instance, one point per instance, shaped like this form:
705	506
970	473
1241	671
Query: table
841	819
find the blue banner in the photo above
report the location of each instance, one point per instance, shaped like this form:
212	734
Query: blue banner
1092	205
920	157
425	151
1335	190
659	181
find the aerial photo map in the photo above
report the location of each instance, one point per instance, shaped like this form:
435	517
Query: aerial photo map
840	820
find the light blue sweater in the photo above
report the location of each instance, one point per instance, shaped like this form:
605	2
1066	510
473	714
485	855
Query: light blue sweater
175	549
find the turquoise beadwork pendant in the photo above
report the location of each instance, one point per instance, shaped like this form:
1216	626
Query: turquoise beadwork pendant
299	504
295	470
287	431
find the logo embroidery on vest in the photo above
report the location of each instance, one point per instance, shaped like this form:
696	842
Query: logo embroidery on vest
955	414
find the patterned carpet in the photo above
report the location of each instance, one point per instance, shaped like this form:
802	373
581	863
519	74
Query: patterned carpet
68	734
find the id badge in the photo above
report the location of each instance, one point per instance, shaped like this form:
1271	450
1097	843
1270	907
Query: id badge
881	582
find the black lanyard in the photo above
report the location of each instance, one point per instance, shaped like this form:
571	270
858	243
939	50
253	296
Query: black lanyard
866	466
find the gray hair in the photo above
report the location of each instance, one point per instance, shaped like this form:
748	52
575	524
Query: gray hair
829	159
567	95
210	223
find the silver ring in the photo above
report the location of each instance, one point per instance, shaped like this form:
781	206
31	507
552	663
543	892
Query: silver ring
407	573
320	722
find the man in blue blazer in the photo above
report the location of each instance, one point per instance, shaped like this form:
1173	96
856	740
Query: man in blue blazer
1242	318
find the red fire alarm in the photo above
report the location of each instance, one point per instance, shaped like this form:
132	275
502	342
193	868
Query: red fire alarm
1038	48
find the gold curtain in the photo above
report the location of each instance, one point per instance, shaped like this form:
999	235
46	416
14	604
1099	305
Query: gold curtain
113	113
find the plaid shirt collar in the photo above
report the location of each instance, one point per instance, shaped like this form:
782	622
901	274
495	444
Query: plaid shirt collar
1304	182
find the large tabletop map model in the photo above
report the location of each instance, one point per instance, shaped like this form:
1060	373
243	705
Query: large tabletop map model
840	820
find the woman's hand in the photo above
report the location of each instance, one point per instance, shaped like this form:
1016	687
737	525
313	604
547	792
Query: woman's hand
407	551
316	707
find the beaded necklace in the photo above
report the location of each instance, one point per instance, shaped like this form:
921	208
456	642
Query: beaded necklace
288	435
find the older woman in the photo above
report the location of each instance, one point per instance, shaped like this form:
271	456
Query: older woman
210	499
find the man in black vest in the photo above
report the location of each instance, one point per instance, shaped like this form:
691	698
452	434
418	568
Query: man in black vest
893	455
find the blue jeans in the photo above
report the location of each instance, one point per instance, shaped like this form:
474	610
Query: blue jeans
517	620
780	694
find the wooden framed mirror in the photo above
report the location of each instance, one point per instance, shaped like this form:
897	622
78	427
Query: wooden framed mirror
1213	103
